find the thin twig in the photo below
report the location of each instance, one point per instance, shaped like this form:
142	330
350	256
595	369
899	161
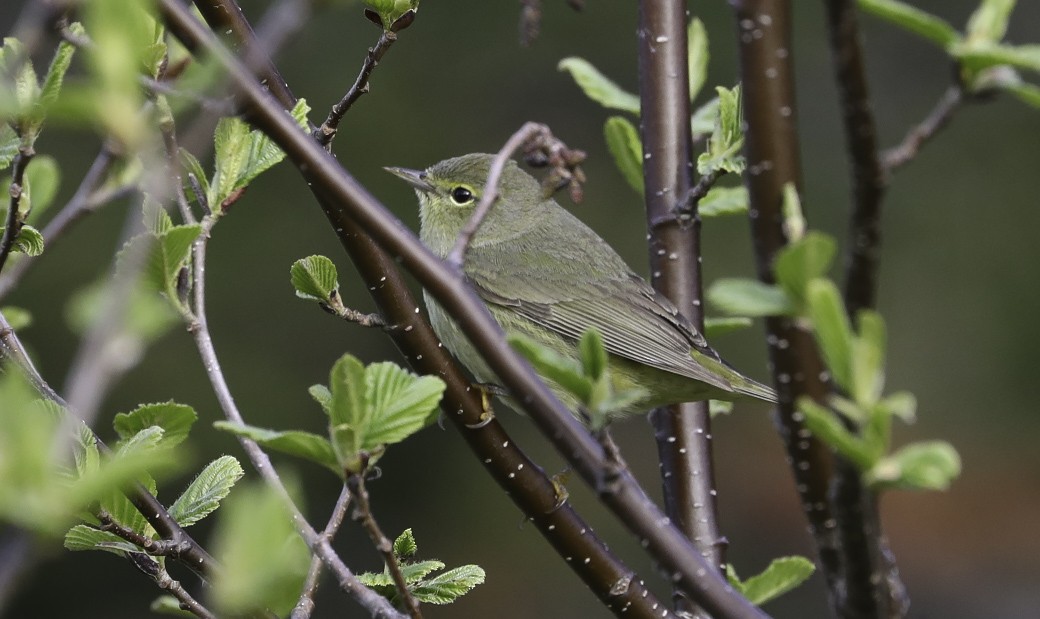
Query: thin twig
336	307
686	210
14	222
351	202
187	602
363	514
305	606
327	131
950	101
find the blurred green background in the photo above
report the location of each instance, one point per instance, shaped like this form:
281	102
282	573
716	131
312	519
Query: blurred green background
958	289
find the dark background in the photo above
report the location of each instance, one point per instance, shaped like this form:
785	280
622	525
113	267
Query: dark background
958	290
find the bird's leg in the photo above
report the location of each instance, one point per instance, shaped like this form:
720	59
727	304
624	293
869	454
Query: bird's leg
487	391
615	465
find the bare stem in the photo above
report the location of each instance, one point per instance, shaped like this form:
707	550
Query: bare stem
187	602
327	131
363	514
14	222
305	606
905	151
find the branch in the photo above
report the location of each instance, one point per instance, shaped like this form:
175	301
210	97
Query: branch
363	514
158	574
771	148
305	606
327	132
14	222
940	115
682	431
351	209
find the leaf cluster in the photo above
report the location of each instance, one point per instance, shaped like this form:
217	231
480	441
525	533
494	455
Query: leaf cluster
442	588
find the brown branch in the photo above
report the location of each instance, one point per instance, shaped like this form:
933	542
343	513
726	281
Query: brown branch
305	606
14	222
771	148
905	151
683	431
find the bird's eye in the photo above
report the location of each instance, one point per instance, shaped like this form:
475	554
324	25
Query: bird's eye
461	195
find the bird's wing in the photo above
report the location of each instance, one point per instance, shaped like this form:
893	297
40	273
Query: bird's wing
573	294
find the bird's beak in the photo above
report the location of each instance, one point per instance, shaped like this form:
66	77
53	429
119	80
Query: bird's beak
415	178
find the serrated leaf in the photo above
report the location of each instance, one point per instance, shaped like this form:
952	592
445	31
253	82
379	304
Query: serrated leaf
170	254
306	445
192	166
401	403
231	145
414	572
930	465
593	354
553	366
627	149
349	407
749	297
263	152
81	537
932	28
9	143
831	328
175	420
825	425
724	147
697	49
206	491
720	201
376	580
155	218
714	327
404	545
29	241
801	261
782	575
314	278
55	76
322	396
447	587
599	87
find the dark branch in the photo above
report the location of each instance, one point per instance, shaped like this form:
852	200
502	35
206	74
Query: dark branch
940	115
353	210
683	432
771	148
14	222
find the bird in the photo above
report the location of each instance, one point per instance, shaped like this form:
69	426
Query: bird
545	275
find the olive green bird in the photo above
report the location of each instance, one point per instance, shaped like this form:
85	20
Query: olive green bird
545	275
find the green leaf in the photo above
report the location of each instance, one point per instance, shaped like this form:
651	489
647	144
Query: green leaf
825	425
18	318
868	359
702	122
168	605
553	366
749	297
231	145
984	55
593	354
81	537
599	87
627	149
206	491
782	575
989	21
192	166
42	178
29	241
148	315
414	572
930	465
929	26
155	217
349	413
15	64
55	77
831	328
1026	93
314	278
719	407
714	327
720	201
901	404
723	152
401	403
9	143
322	396
404	545
175	420
447	587
264	560
794	222
263	152
169	255
697	48
801	261
297	443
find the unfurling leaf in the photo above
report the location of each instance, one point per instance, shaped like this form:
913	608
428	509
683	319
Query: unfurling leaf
314	278
697	46
599	87
930	465
832	329
206	491
782	575
175	420
627	149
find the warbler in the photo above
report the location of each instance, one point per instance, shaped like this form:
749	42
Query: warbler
544	274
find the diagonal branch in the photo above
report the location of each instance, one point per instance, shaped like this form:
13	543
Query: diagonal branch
944	109
683	431
354	209
14	222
